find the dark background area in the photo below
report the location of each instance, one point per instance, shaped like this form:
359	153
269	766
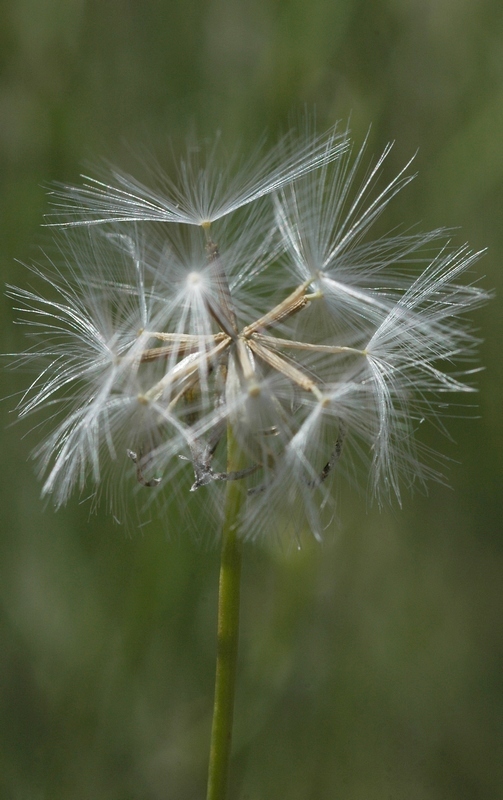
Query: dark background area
370	668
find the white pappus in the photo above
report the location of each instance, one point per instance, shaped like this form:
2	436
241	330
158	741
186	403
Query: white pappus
247	301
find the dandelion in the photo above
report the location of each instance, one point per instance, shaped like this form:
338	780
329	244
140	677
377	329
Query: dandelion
237	334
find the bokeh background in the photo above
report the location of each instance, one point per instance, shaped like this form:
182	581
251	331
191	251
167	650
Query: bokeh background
371	668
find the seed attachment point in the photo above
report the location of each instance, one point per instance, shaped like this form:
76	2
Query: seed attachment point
139	471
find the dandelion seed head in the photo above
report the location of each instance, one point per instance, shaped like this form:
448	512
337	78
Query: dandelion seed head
244	298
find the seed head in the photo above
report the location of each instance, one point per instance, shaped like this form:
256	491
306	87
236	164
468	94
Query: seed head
263	307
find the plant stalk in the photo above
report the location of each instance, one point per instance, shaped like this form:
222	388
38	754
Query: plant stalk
228	629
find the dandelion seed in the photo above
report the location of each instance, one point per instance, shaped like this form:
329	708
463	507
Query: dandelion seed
203	191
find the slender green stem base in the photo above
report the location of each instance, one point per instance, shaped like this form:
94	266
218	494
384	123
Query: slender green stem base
228	631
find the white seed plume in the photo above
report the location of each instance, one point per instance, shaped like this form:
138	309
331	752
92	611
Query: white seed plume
284	321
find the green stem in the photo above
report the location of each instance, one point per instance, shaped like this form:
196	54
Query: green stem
228	629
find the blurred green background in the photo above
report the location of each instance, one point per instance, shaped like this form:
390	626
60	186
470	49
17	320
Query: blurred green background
371	668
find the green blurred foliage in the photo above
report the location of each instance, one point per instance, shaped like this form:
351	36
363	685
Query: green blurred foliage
370	669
